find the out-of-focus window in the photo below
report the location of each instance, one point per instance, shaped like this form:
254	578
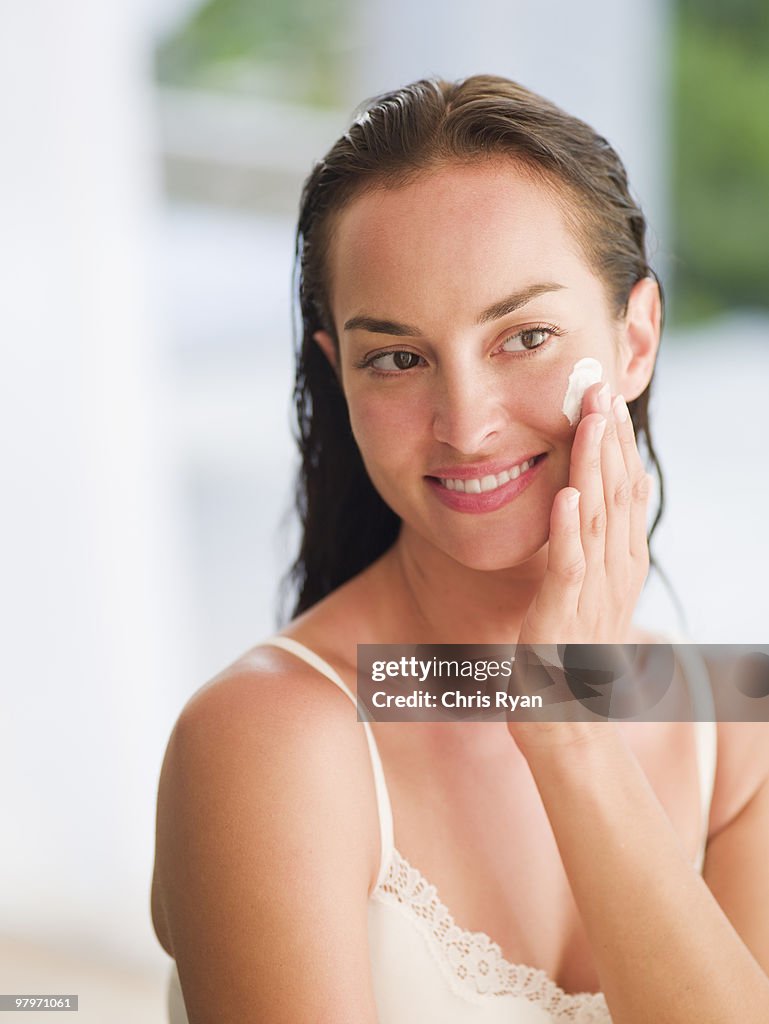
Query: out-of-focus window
250	93
287	50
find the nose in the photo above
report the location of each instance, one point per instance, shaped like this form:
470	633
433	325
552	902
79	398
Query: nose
468	412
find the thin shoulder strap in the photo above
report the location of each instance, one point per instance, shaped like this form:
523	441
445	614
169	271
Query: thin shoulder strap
384	808
706	730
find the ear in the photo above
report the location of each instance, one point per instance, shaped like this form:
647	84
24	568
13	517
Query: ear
326	343
640	337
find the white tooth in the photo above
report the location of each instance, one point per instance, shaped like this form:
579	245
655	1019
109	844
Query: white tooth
515	472
525	465
449	485
503	477
459	485
489	483
472	486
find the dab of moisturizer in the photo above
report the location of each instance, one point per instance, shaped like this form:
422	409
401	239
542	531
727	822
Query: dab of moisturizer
585	373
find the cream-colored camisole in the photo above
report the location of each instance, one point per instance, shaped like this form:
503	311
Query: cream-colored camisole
425	968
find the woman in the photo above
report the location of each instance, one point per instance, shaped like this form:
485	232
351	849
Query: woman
462	248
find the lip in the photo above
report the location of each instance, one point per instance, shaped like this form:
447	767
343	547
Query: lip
488	501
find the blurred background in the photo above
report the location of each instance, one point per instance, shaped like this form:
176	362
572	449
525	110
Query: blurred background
152	158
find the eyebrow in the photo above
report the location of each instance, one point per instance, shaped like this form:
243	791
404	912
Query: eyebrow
509	304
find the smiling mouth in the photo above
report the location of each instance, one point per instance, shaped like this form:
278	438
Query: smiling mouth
487	484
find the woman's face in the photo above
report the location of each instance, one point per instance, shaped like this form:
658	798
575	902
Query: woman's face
462	302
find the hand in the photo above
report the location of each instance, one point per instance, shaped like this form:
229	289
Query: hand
598	555
598	559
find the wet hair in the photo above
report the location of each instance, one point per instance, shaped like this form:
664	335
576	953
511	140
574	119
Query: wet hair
395	138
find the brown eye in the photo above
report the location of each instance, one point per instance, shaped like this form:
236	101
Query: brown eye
405	360
400	360
527	340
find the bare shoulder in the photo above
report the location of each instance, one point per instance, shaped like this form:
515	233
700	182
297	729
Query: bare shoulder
738	841
266	833
742	747
742	767
266	689
742	761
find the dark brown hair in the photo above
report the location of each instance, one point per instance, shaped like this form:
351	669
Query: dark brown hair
395	137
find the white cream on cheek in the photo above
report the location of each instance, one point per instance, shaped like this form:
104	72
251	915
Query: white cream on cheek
584	373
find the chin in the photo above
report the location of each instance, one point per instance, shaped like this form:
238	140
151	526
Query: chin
494	554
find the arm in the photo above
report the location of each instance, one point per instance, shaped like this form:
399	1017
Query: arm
266	845
665	949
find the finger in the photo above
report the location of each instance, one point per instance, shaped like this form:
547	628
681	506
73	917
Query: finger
639	513
585	475
558	597
595	399
640	482
617	500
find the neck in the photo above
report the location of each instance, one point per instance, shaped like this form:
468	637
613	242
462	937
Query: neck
434	599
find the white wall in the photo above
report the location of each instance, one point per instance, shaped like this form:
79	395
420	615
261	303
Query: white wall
90	586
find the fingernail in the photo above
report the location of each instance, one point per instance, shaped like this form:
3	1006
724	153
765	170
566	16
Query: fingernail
603	398
620	409
573	500
598	430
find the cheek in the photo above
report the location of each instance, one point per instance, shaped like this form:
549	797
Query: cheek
539	405
385	427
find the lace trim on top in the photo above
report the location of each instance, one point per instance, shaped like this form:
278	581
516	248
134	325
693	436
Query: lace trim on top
472	961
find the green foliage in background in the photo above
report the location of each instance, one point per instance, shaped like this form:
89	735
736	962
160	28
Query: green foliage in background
291	50
721	157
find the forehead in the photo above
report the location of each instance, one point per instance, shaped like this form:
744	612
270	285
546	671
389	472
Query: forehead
468	234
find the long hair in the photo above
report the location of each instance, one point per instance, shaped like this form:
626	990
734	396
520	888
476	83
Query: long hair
395	137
